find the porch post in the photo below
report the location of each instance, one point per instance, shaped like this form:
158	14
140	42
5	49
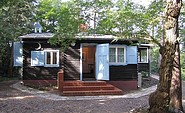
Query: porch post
60	81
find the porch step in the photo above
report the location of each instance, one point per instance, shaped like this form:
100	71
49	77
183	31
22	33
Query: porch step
84	83
88	88
92	93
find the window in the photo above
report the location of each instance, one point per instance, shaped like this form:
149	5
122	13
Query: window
143	55
51	58
46	58
117	55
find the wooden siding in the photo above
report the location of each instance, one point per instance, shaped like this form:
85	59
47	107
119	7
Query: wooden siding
69	62
72	63
143	67
37	72
127	72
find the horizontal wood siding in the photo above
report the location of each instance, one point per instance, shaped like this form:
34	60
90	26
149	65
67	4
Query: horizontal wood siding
72	63
127	72
38	72
143	67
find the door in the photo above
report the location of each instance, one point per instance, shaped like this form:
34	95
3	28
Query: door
102	62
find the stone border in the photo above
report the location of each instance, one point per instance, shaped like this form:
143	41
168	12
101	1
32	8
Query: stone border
51	96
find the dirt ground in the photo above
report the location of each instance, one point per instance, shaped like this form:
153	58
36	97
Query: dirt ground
16	101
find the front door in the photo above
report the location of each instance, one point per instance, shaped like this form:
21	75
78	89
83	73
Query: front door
102	62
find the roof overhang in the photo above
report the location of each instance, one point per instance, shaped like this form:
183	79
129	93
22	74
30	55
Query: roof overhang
37	36
149	45
78	37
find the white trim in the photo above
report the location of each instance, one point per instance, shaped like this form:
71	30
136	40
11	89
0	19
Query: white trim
51	60
146	56
116	47
81	62
149	45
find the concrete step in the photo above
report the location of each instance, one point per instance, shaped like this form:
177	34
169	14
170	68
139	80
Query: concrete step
88	88
84	83
92	93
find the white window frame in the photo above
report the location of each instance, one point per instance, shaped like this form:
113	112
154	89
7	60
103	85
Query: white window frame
116	47
146	56
51	60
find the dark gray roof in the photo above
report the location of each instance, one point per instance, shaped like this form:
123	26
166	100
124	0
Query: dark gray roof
85	37
37	36
95	37
103	37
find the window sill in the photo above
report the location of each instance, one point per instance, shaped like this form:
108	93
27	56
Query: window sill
143	62
51	66
117	64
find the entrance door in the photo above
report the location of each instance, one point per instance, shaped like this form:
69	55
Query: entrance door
88	62
102	62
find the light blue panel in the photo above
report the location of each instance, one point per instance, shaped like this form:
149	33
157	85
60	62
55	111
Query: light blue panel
102	62
17	54
131	55
37	58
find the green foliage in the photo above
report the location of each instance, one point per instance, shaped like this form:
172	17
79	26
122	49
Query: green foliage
15	20
68	22
46	14
155	59
182	61
122	18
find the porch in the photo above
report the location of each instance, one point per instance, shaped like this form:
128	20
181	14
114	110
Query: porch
85	88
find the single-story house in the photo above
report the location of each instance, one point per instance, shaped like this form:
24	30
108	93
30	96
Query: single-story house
90	58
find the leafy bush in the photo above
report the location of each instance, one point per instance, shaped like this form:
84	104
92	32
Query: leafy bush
154	59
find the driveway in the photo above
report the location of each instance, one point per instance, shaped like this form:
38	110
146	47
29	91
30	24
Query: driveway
25	100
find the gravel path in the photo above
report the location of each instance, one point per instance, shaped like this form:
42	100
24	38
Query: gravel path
16	101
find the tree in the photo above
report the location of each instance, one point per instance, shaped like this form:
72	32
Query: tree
15	20
165	99
68	21
46	14
132	21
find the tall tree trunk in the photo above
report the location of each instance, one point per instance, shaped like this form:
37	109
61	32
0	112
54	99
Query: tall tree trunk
176	84
164	97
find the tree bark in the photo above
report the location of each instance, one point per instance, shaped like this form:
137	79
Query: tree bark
159	100
168	93
176	84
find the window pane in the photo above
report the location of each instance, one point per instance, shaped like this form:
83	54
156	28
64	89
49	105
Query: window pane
54	57
112	55
120	54
143	55
48	58
139	54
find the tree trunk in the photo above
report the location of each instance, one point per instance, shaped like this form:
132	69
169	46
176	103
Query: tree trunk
159	100
165	97
176	84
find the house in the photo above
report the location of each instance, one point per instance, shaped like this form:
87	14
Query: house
90	58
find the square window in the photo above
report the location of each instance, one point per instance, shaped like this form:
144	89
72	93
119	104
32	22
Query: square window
46	58
117	55
52	58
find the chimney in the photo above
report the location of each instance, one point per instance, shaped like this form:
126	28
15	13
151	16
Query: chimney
38	27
